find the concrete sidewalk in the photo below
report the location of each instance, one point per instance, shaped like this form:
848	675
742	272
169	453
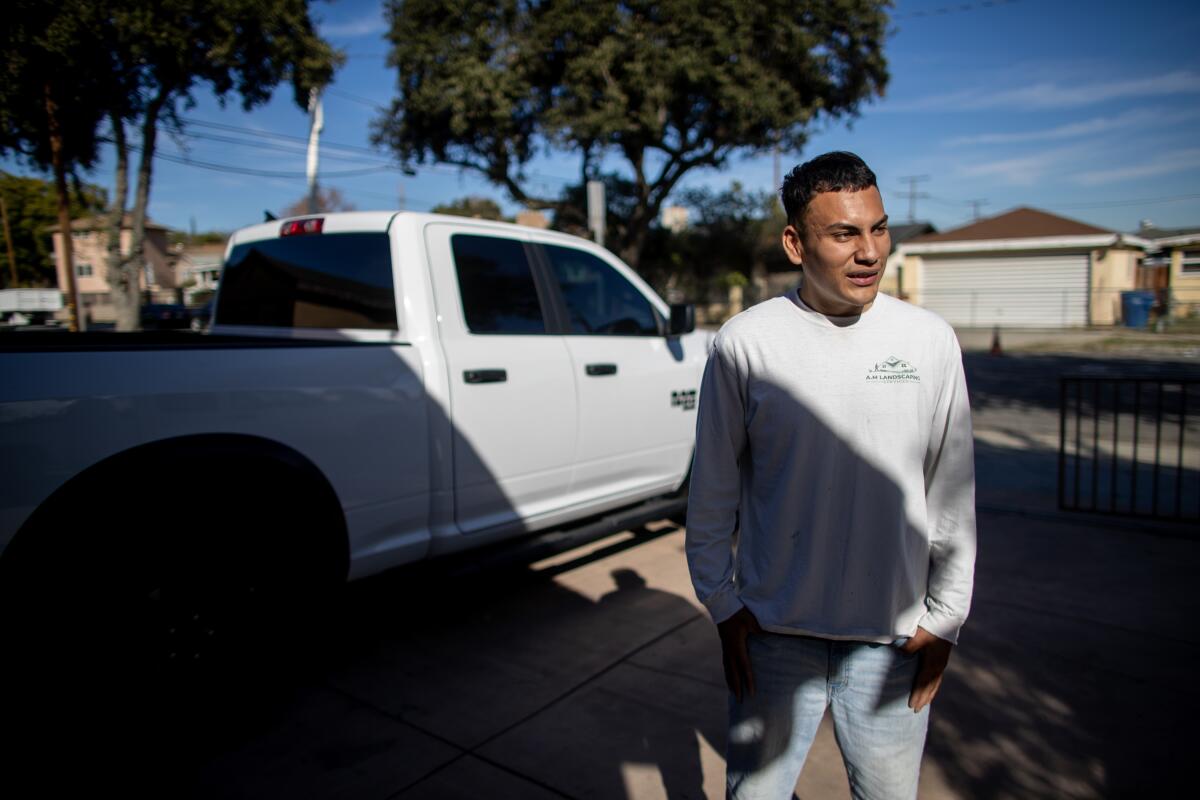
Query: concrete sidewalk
594	674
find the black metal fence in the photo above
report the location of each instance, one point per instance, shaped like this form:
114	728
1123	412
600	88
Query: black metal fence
1130	446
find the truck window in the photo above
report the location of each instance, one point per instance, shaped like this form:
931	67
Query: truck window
337	280
599	299
499	295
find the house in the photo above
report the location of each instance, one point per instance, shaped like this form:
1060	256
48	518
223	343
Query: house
1172	265
198	268
893	276
1023	268
89	245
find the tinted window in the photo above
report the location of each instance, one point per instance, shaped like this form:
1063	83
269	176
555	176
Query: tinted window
337	280
599	299
498	292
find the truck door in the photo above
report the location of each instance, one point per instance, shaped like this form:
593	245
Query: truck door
512	394
636	389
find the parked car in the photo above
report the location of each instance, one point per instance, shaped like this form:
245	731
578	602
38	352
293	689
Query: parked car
165	316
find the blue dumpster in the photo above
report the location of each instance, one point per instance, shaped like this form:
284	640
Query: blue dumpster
1135	308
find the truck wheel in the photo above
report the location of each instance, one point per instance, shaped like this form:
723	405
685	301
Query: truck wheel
167	616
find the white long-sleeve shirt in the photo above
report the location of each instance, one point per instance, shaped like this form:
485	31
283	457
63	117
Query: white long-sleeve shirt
840	452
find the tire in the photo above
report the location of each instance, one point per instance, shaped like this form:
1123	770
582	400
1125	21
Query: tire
147	637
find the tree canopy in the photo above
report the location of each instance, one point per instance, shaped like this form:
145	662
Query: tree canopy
476	207
31	208
668	87
329	198
75	64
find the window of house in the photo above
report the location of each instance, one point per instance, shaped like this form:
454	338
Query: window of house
83	270
499	295
599	299
1191	261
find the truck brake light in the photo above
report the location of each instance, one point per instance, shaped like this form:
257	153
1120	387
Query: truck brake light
299	227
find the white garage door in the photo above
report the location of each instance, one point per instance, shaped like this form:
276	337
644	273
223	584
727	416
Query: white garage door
1011	291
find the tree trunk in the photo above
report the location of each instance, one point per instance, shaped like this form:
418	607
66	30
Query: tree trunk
124	298
75	319
137	264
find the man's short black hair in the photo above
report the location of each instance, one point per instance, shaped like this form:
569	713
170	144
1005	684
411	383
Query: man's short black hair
838	171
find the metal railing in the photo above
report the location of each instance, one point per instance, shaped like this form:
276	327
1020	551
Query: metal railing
1130	446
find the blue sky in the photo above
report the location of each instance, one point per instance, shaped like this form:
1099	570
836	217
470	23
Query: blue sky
1087	108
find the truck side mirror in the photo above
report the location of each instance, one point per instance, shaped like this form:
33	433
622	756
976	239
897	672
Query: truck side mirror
683	319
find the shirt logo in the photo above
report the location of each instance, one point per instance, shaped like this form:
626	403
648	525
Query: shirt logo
893	369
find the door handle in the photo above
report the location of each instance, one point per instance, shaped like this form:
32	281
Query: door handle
485	376
601	369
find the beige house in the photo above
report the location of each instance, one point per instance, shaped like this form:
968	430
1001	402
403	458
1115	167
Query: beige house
1173	264
198	268
89	243
1024	268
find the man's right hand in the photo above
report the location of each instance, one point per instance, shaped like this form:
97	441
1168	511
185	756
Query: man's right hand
734	632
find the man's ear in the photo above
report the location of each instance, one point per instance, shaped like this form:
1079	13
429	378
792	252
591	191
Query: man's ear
793	246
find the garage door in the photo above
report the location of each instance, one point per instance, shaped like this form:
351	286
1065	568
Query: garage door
1012	291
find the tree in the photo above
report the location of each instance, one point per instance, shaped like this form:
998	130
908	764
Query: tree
328	199
669	87
244	47
60	78
732	235
476	207
30	206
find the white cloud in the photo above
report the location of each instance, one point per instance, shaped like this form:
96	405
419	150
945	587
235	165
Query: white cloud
1022	170
1074	130
1051	95
351	28
1163	164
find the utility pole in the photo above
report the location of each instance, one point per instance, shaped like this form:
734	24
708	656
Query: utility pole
317	116
975	206
597	211
914	195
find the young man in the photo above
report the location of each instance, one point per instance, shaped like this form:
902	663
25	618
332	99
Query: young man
831	520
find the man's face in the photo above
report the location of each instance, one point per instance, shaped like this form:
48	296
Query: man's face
843	246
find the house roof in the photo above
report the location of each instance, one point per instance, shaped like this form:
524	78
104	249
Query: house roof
99	223
1178	235
910	230
1020	223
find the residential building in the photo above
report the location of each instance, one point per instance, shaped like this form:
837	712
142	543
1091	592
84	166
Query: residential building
198	268
1022	268
89	244
1172	266
893	277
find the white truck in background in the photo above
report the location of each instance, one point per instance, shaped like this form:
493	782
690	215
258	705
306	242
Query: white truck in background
377	388
29	306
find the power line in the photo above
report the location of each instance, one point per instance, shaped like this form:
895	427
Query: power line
913	194
356	99
1120	203
354	148
258	173
283	147
956	9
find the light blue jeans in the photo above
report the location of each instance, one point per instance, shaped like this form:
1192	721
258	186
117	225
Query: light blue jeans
796	678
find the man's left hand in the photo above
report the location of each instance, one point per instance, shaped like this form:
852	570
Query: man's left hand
934	654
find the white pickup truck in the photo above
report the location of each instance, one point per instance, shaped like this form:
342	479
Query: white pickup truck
377	388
